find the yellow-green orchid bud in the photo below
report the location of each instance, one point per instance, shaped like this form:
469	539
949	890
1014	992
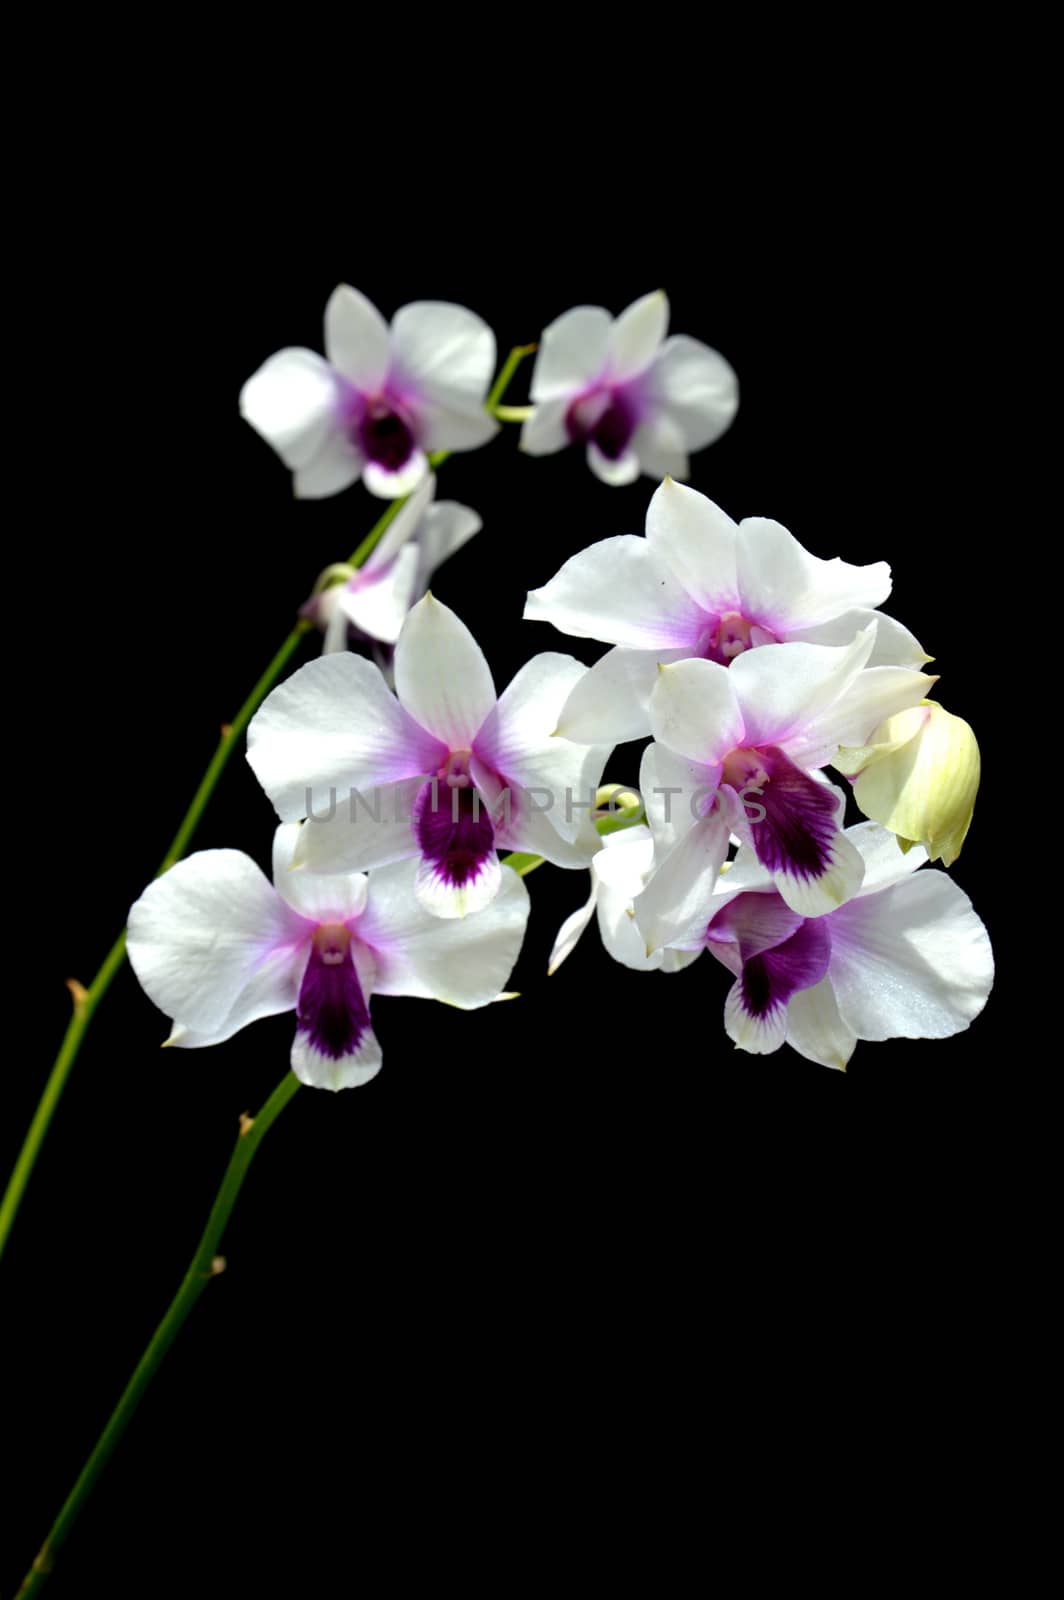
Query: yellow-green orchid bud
918	776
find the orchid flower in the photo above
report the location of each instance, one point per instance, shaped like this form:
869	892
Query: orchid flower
700	585
444	773
618	874
639	402
736	749
906	958
216	947
383	400
375	597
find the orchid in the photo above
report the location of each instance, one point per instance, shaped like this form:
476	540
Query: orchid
700	585
918	776
216	947
375	597
618	875
906	958
637	401
383	400
443	771
735	752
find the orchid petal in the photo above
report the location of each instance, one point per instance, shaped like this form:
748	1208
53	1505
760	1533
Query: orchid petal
696	388
636	335
202	941
356	339
621	592
697	542
572	353
441	676
333	726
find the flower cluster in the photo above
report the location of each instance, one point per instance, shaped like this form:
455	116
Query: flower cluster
747	664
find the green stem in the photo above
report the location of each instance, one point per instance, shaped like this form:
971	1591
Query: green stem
86	1001
206	1264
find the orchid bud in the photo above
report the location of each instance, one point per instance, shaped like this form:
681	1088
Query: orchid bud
918	776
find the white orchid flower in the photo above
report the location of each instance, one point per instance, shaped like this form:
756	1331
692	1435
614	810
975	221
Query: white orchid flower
736	752
638	402
383	400
375	597
700	585
443	772
618	874
216	947
906	958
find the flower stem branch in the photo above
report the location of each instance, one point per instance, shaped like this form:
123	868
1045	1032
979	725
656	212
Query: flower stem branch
231	736
205	1265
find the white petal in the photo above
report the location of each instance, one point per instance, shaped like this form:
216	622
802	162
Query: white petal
572	353
617	471
675	793
389	485
658	444
369	828
816	1030
445	352
441	676
271	990
526	716
625	861
332	726
885	861
544	431
677	902
380	608
569	933
895	646
696	387
336	898
403	526
200	935
610	702
874	695
445	528
442	898
466	963
694	710
697	541
325	1072
291	402
356	339
783	586
443	427
636	336
335	466
912	962
621	592
783	688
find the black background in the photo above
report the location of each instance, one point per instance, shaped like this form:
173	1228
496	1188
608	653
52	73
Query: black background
535	1240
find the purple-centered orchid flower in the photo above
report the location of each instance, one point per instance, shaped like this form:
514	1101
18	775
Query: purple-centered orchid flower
906	958
700	585
382	402
639	402
444	772
216	947
736	752
375	597
618	875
